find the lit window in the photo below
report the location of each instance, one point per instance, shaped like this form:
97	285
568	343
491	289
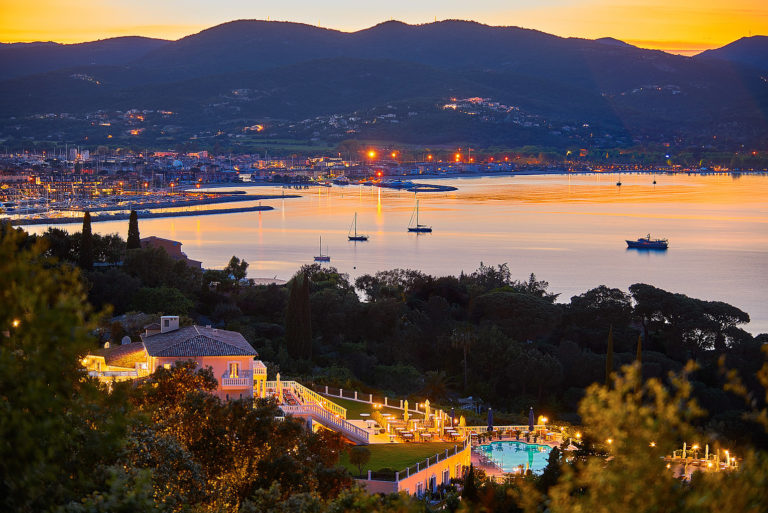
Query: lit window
234	370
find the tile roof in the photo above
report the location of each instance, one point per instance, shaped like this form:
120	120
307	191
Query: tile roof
194	341
125	355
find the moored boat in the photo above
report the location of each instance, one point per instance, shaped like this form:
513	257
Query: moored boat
648	243
321	257
359	237
418	228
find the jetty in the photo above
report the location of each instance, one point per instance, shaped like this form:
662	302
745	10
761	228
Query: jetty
141	215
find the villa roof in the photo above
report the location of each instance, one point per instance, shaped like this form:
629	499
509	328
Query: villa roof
125	355
153	238
193	341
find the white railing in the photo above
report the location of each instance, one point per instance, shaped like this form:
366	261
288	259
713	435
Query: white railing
433	460
114	374
369	399
307	396
329	419
237	382
423	465
310	395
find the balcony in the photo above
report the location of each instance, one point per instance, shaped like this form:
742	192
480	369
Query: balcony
244	379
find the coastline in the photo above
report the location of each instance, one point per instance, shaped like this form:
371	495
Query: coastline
486	174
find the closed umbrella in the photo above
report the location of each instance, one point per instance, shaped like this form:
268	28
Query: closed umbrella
426	411
530	419
453	417
405	411
490	419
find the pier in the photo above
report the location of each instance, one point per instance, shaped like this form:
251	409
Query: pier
147	215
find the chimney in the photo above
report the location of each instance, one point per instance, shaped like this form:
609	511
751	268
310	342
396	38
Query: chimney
169	323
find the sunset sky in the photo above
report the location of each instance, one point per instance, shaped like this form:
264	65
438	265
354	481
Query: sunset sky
679	26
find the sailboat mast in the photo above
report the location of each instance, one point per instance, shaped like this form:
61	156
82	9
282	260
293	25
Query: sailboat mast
417	213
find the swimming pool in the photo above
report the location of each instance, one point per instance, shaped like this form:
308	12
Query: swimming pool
511	456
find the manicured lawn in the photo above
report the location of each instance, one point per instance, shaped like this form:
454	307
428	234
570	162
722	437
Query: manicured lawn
396	456
354	408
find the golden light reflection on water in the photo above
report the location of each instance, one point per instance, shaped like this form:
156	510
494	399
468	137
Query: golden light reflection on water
568	229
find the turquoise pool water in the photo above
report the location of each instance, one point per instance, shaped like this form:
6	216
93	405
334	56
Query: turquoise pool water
510	456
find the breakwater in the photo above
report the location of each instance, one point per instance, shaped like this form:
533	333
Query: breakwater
146	215
236	196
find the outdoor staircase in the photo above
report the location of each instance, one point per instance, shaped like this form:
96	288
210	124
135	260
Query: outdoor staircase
317	408
325	418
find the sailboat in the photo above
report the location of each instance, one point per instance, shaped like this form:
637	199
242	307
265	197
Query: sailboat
619	182
356	237
418	228
321	257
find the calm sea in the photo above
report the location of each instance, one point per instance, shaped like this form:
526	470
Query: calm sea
567	229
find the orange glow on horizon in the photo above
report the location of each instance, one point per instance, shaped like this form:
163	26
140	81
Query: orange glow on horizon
687	26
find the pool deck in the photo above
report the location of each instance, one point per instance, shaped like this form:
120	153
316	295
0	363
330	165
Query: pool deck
494	471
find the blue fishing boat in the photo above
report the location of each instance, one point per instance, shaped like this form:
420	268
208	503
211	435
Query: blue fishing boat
648	243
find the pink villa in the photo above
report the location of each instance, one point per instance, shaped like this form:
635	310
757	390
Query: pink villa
240	375
172	247
231	357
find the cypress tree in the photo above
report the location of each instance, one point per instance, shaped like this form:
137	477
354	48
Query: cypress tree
609	357
134	240
306	320
639	358
469	491
298	321
86	243
291	320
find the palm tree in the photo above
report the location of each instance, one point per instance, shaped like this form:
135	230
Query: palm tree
435	385
463	338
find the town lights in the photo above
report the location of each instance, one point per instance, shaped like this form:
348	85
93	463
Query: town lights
371	154
457	157
543	419
652	444
16	323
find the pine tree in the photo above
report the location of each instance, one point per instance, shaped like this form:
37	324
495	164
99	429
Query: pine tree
86	243
134	240
609	357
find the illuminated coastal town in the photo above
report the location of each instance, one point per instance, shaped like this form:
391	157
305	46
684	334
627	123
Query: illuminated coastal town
445	257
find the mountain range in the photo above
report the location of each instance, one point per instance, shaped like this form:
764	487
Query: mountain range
243	72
